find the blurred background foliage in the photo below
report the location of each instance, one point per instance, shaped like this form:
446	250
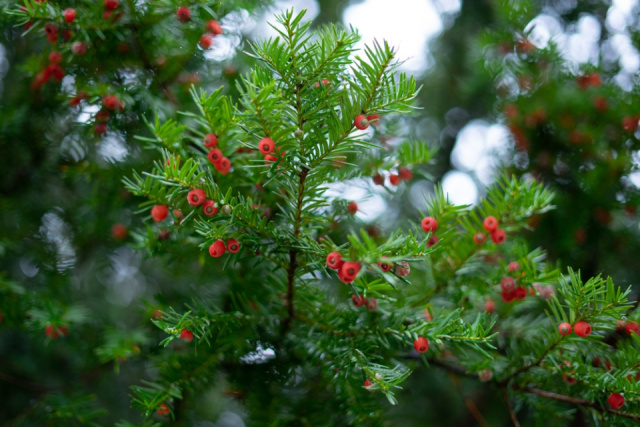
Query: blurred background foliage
547	89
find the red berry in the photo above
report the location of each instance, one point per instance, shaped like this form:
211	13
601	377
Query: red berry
405	174
508	284
507	296
210	141
110	102
421	345
215	156
564	329
343	278
361	122
224	166
432	241
632	328
214	27
217	249
163	410
427	315
490	224
209	208
186	336
520	293
394	179
269	158
489	306
51	332
600	102
78	48
183	13
513	266
350	269
403	269
373	119
55	57
358	300
111	4
616	400
352	207
196	197
119	231
103	116
100	128
334	260
378	179
233	246
367	383
266	146
385	266
206	40
582	328
429	224
498	236
479	238
159	212
69	15
629	124
371	304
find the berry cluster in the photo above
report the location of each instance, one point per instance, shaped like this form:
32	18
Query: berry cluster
218	248
430	225
213	29
581	328
362	122
56	331
360	300
215	156
395	178
347	270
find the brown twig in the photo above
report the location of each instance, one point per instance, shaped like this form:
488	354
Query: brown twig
509	407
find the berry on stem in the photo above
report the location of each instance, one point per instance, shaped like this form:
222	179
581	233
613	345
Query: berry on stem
490	224
110	102
403	269
119	231
111	4
429	224
352	207
513	266
489	306
385	266
564	329
582	328
616	400
214	27
479	238
233	246
224	166
78	48
358	300
378	179
266	146
183	13
163	410
196	197
206	40
186	336
334	260
498	236
350	269
210	141
394	179
209	208
361	122
508	284
159	212
432	241
371	304
217	249
404	173
421	344
69	15
215	156
632	328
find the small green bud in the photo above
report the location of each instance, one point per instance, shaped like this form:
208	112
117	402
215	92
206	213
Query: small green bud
226	209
